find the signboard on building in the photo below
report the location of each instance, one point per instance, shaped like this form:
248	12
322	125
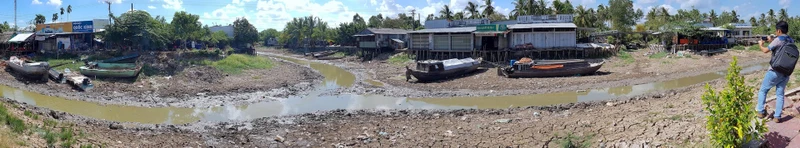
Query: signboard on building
83	26
54	28
491	28
64	43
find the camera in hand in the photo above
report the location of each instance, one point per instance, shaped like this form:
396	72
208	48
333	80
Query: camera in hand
765	38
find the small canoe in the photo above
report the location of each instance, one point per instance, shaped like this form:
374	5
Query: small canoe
29	69
424	73
123	59
551	70
113	73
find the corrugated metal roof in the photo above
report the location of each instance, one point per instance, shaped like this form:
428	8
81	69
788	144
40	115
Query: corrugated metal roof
22	37
387	31
714	29
447	30
542	25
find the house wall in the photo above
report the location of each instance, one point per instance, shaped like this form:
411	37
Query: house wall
544	39
227	29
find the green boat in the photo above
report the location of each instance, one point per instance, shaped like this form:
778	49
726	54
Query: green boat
113	73
102	65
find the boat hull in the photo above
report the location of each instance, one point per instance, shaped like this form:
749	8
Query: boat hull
425	76
30	70
591	68
112	73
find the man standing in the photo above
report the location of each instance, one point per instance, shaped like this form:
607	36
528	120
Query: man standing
775	77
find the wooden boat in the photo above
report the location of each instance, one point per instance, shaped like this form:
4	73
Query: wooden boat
551	68
113	73
434	70
322	54
28	69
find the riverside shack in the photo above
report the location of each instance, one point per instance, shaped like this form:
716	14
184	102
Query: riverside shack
528	36
372	41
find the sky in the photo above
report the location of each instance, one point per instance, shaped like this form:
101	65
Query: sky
264	14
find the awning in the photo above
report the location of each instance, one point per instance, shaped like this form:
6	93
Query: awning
22	37
398	41
359	35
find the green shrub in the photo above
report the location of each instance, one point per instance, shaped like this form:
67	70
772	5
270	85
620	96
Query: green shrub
738	47
50	137
66	134
733	120
31	114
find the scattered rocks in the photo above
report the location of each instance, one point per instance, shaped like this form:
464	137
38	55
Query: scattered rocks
502	121
278	138
115	126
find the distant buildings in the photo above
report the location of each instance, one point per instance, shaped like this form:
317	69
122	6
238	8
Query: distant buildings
227	29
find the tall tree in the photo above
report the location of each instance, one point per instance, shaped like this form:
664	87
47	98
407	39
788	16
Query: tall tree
375	21
473	11
69	11
62	11
735	16
622	14
496	16
712	16
567	8
446	13
244	32
557	8
771	19
488	9
782	15
753	21
185	27
40	19
519	9
541	8
358	20
55	17
430	17
459	16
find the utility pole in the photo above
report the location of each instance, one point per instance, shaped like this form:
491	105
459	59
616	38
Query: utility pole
15	16
109	11
131	6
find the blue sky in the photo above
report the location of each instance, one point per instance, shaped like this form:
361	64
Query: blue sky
275	13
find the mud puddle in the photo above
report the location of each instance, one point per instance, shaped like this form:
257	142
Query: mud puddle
335	78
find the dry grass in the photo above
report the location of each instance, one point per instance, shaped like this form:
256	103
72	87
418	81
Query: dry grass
7	139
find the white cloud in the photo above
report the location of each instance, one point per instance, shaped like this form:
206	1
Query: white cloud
699	4
151	7
241	2
373	2
588	3
173	4
36	2
784	3
113	1
54	2
647	1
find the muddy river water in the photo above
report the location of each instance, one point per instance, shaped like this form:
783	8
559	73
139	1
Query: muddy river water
336	77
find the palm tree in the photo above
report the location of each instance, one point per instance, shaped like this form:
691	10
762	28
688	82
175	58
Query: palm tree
519	9
783	15
472	9
458	16
446	13
62	11
55	17
69	11
40	19
753	21
771	16
581	17
488	9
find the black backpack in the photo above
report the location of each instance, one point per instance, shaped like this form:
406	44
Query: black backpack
784	58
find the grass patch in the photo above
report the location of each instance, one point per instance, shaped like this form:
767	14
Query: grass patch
236	63
739	47
339	54
572	141
626	57
60	64
400	58
50	137
754	48
32	115
658	55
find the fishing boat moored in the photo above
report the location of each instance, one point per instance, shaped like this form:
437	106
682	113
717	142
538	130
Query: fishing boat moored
27	68
433	70
550	68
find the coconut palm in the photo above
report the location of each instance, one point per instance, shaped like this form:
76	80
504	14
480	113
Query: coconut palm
783	15
55	17
458	16
69	11
446	13
62	11
488	9
40	19
519	9
771	16
473	11
753	21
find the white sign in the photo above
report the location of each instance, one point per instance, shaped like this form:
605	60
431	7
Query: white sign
64	43
40	38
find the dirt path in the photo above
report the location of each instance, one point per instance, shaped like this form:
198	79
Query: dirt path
191	86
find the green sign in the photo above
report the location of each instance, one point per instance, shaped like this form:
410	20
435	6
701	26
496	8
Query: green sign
491	28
